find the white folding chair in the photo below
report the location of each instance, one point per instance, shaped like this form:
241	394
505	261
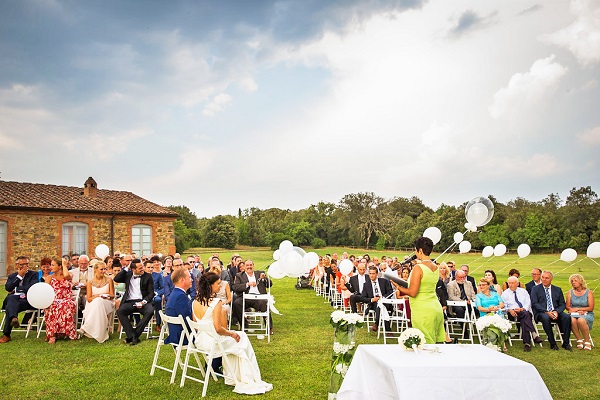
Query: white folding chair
147	329
216	350
177	347
34	321
259	321
466	323
396	318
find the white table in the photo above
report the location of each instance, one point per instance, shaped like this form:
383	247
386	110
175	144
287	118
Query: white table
458	371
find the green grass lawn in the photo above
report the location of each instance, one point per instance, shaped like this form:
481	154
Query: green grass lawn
296	361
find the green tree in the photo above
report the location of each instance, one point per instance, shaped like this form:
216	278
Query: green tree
364	214
220	232
186	216
301	232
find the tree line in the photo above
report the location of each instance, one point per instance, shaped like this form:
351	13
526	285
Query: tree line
369	221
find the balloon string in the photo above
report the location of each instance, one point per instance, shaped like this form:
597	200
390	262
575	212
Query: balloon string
504	268
594	280
444	252
486	261
547	265
594	262
569	266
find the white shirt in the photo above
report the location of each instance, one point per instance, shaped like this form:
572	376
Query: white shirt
135	293
508	297
253	289
361	282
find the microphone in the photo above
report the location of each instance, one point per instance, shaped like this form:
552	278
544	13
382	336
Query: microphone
407	261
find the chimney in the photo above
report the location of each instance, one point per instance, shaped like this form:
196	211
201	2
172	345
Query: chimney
90	188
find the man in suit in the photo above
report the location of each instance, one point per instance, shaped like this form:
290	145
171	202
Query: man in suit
17	285
139	293
254	282
81	275
465	269
152	267
374	289
452	268
461	289
536	279
179	303
548	304
356	284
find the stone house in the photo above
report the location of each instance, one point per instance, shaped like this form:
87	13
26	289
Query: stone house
39	220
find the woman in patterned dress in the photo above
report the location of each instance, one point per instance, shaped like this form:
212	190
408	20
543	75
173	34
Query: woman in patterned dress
60	315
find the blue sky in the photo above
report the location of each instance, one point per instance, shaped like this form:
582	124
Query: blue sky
237	104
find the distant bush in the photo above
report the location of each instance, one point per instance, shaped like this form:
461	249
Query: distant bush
318	243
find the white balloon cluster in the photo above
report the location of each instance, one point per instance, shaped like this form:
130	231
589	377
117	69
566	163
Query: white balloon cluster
40	295
593	250
291	261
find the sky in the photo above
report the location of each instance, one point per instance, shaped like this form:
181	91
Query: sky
222	105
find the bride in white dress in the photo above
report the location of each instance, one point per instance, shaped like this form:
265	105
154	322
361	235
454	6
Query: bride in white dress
99	305
238	349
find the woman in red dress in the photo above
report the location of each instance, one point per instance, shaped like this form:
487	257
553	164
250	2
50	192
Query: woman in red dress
61	313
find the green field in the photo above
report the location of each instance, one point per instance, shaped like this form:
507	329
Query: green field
296	361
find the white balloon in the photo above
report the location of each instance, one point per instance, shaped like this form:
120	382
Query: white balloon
458	237
346	267
292	264
568	255
464	246
40	295
487	251
276	254
299	250
102	251
275	271
433	233
523	250
593	250
471	227
285	247
311	260
499	250
479	211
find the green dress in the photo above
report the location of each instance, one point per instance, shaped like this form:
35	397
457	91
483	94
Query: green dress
426	310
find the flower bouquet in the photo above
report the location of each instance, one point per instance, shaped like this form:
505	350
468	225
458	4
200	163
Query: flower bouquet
411	339
343	347
494	331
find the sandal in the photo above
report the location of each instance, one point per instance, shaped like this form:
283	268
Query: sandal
588	346
51	340
580	344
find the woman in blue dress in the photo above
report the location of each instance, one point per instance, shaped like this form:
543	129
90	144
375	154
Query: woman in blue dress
580	304
488	301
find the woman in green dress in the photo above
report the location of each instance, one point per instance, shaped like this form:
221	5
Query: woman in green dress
426	311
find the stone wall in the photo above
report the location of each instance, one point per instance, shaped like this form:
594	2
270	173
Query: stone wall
39	234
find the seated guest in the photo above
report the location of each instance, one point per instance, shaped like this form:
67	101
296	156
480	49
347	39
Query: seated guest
460	290
253	282
513	272
17	285
168	284
81	275
344	279
444	273
225	292
536	279
373	290
548	304
98	310
486	300
139	293
238	350
45	270
490	276
465	268
355	285
580	304
518	304
153	269
179	303
60	316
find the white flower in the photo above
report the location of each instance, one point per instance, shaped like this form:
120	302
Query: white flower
339	348
353	318
412	333
493	320
492	346
337	316
341	369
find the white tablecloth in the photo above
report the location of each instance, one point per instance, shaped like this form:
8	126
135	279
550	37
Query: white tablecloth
382	372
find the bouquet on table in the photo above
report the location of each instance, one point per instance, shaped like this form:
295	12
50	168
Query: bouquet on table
494	331
411	339
343	347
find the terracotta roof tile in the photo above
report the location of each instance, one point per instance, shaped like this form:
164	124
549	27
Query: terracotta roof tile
53	197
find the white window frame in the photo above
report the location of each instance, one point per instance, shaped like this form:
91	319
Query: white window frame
141	239
81	231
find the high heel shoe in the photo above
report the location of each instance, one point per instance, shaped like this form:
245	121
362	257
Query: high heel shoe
588	346
580	344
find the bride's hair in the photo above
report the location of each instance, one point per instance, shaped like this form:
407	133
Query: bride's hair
204	287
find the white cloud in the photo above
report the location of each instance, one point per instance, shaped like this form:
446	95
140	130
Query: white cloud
217	104
582	37
525	89
590	137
